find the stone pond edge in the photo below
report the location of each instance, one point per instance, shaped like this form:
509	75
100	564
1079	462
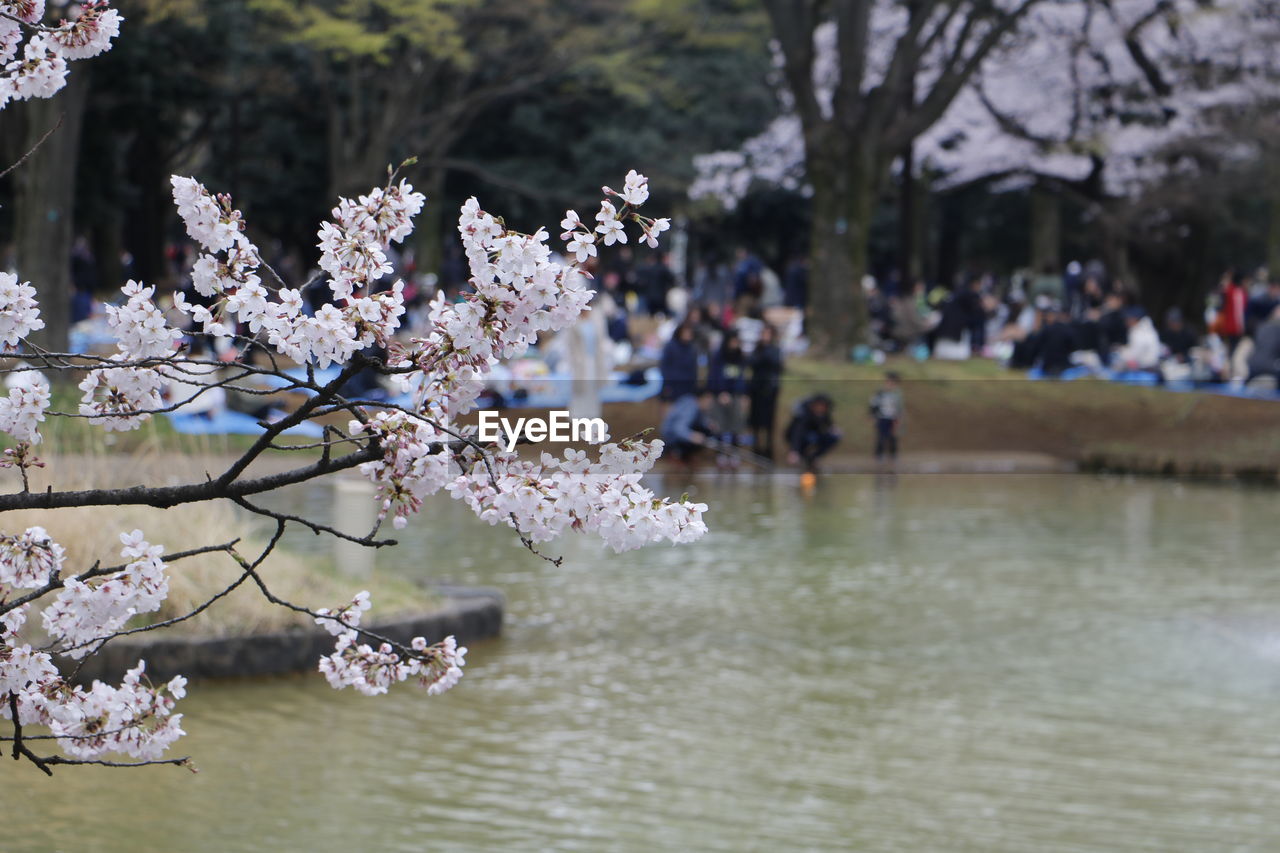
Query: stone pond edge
470	613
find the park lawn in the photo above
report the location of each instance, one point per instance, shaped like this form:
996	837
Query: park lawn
980	407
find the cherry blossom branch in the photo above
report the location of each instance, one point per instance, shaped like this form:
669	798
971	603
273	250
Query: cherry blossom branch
164	497
39	142
407	451
315	526
97	571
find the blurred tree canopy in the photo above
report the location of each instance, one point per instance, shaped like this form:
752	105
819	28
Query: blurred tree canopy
530	103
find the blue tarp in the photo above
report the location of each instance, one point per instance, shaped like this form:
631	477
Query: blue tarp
557	388
1138	377
233	423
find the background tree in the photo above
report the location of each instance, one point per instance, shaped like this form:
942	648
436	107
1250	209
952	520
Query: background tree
897	67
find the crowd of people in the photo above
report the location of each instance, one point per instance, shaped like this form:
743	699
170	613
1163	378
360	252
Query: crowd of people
1086	321
720	338
738	383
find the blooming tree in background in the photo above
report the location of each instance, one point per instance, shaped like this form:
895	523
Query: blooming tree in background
1098	92
408	450
865	79
1084	92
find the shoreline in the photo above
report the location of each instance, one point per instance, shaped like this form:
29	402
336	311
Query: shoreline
471	613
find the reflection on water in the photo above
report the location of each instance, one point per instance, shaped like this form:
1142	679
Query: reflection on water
921	663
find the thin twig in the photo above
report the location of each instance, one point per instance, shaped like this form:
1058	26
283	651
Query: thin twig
40	142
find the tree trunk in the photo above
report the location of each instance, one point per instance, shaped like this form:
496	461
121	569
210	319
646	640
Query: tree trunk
145	233
44	200
1046	231
429	233
1273	211
843	197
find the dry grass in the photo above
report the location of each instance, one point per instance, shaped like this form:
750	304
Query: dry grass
91	534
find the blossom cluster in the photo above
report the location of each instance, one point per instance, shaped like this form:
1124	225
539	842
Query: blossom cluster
413	465
22	411
19	311
372	671
337	622
135	718
353	253
121	398
519	292
34	57
546	497
84	615
29	560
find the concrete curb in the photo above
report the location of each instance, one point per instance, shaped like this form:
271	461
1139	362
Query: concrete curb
471	614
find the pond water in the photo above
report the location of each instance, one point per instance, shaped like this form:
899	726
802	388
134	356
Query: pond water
998	663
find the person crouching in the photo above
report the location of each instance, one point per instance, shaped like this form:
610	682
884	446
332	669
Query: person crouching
686	426
811	432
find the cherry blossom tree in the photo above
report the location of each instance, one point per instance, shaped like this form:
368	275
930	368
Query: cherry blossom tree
1093	98
1096	92
1106	101
408	449
865	79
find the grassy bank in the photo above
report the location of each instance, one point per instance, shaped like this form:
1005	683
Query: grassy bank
979	407
91	534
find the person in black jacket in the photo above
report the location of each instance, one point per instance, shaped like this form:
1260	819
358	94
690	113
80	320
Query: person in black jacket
727	379
679	364
811	432
1057	342
654	281
1114	330
766	380
1177	336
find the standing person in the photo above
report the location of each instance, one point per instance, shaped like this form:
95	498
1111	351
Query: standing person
975	314
1112	327
712	286
727	380
589	359
679	364
1073	290
747	269
1230	321
887	409
654	281
84	280
795	285
766	380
